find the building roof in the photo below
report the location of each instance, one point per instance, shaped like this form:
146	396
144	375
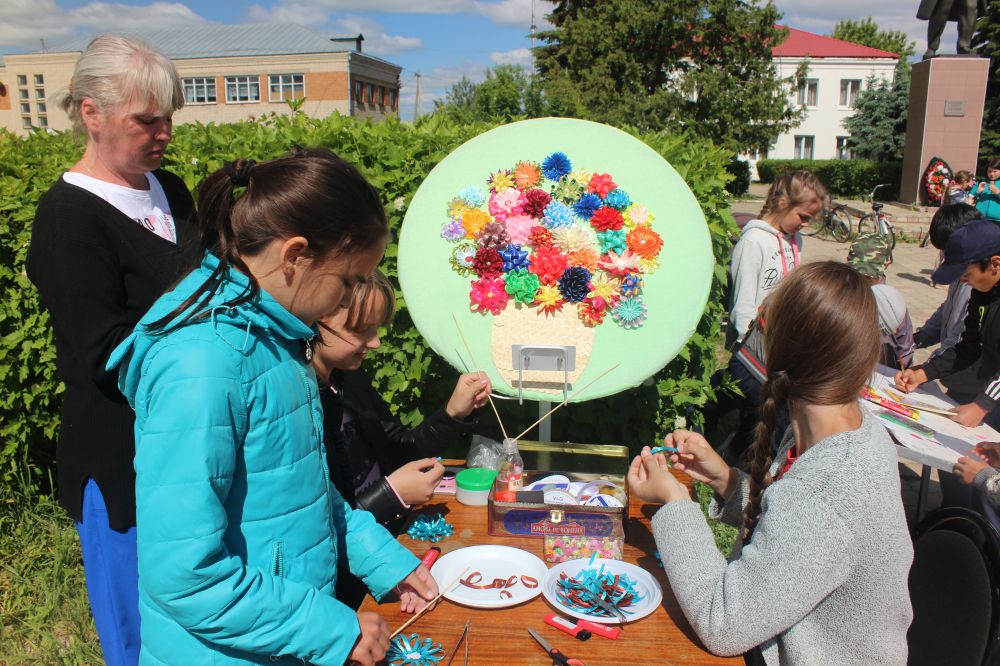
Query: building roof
800	44
218	41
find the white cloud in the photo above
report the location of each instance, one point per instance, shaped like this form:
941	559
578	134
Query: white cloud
434	84
301	13
820	16
515	13
520	56
24	22
377	41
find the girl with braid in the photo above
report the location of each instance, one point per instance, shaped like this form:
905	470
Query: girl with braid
819	574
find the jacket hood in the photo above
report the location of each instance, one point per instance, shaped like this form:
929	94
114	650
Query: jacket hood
762	226
260	315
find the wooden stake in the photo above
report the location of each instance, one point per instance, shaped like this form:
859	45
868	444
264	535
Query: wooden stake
566	401
472	358
430	604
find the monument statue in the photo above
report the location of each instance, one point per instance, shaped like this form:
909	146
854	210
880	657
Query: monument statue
939	12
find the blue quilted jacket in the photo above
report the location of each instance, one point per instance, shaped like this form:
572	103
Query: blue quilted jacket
239	529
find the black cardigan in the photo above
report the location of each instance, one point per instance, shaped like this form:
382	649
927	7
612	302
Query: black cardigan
98	271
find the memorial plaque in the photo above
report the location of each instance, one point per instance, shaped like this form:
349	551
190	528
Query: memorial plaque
954	108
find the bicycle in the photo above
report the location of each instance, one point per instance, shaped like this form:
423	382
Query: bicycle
834	222
879	221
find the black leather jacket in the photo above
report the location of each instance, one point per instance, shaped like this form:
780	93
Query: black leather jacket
392	443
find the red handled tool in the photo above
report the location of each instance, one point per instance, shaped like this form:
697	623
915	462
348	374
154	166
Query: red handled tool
557	656
430	557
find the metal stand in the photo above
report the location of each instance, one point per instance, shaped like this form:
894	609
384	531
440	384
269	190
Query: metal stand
543	358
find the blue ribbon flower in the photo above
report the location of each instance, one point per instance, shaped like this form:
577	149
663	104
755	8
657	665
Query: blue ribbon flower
556	165
631	285
588	205
557	214
618	199
473	196
430	528
575	284
612	240
411	651
514	258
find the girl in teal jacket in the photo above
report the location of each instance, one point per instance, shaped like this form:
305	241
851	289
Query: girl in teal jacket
987	192
239	530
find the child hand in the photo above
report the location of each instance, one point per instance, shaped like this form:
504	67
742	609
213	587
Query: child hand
967	468
990	451
910	379
650	479
415	481
373	642
970	415
416	590
471	392
696	457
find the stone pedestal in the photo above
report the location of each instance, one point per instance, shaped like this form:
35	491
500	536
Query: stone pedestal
945	118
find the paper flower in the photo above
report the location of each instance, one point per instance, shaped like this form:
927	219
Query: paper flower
504	203
558	214
581	178
637	214
556	165
629	312
461	258
548	263
590	315
574	238
549	299
645	242
527	175
411	651
514	258
620	264
603	292
587	205
601	184
472	196
430	528
538	236
487	262
457	208
575	284
535	202
631	284
501	180
452	231
607	219
488	295
617	198
586	258
612	241
522	286
568	190
474	220
518	228
493	235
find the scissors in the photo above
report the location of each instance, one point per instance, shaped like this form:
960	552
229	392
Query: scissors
557	656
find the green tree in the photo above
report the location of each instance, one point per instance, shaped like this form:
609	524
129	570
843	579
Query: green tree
986	42
878	126
670	65
508	92
867	33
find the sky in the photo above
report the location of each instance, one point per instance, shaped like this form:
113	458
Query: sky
441	40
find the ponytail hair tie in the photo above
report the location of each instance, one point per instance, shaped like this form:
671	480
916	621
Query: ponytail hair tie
239	172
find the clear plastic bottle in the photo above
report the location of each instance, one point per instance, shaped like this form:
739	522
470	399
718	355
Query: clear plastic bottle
511	475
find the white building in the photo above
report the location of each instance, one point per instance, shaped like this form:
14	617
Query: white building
838	72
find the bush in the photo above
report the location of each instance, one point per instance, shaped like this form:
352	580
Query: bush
845	178
740	171
396	157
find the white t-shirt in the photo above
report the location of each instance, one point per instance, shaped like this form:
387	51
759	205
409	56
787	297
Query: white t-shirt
148	208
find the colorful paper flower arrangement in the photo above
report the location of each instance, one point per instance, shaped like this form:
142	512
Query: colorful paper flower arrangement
551	238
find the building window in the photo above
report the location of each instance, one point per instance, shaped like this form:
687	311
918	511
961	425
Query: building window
26	122
39	93
200	90
39	80
22	79
25	108
392	98
849	91
41	107
804	147
286	86
843	150
242	89
371	93
359	92
23	92
808	92
43	122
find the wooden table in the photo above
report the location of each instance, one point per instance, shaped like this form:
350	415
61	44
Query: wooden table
501	636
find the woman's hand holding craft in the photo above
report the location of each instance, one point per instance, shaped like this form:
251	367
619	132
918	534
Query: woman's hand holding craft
415	481
373	642
968	468
471	392
970	415
990	452
649	478
909	380
696	457
416	590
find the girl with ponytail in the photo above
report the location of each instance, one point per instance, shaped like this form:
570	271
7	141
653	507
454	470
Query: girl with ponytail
819	574
239	530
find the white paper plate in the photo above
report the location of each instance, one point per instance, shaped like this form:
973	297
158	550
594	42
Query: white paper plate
491	562
644	583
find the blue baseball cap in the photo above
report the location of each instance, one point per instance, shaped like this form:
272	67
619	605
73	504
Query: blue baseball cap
979	239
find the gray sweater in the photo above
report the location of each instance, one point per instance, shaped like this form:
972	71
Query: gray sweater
824	577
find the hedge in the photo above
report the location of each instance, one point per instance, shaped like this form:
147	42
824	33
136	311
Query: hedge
845	178
396	157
